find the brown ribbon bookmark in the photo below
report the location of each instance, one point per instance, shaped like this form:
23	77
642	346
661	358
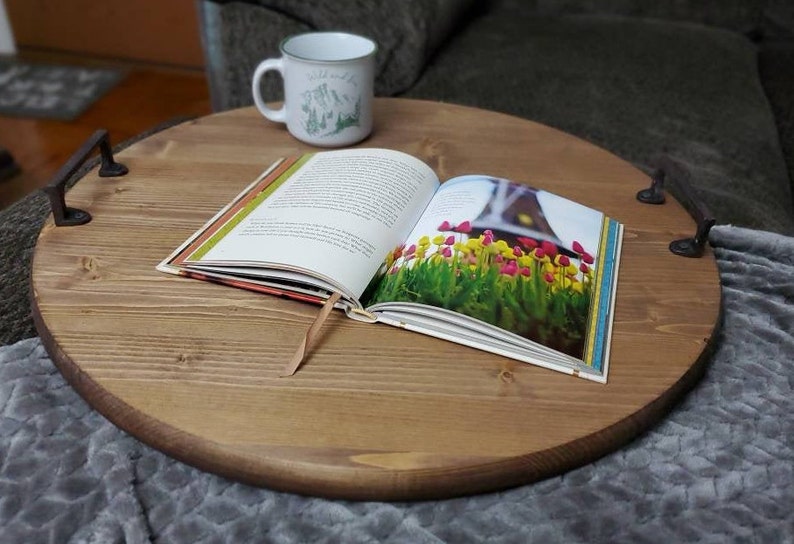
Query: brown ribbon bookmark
311	336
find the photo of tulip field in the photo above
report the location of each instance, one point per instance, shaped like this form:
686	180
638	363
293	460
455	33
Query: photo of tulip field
505	265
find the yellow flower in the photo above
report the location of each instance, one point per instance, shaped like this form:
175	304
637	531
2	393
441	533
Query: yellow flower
525	219
424	241
578	287
525	261
474	244
438	240
463	248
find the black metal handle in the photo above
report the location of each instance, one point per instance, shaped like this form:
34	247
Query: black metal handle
670	171
56	190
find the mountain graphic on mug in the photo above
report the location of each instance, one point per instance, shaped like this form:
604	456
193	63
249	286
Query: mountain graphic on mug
326	112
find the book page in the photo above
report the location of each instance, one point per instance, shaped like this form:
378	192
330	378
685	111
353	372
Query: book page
334	215
529	262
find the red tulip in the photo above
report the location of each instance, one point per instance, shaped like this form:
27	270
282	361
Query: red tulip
510	269
528	243
549	248
464	227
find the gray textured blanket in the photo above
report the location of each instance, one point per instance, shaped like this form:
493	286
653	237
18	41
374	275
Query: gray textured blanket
720	468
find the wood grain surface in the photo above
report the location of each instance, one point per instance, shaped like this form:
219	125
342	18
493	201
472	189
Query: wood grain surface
374	412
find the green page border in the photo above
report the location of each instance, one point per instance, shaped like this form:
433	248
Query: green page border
213	240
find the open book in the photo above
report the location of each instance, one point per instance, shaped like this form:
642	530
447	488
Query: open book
477	260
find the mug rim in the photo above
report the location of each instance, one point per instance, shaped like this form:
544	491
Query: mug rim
327	33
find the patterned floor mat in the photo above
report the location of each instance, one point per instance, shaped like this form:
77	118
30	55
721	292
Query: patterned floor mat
52	92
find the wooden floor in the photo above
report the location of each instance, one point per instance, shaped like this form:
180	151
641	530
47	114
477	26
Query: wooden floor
147	96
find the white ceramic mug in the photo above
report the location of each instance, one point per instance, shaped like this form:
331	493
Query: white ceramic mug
328	87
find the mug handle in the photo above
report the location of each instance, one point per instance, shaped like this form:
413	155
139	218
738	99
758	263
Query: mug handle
279	115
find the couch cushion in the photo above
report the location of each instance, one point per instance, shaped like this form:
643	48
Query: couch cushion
752	17
739	15
237	35
636	87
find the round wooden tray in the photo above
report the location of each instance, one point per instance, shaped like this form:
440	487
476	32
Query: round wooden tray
375	412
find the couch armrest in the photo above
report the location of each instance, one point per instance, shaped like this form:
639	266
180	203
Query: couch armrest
236	35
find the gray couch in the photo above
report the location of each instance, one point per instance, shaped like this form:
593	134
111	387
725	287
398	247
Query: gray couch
708	84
